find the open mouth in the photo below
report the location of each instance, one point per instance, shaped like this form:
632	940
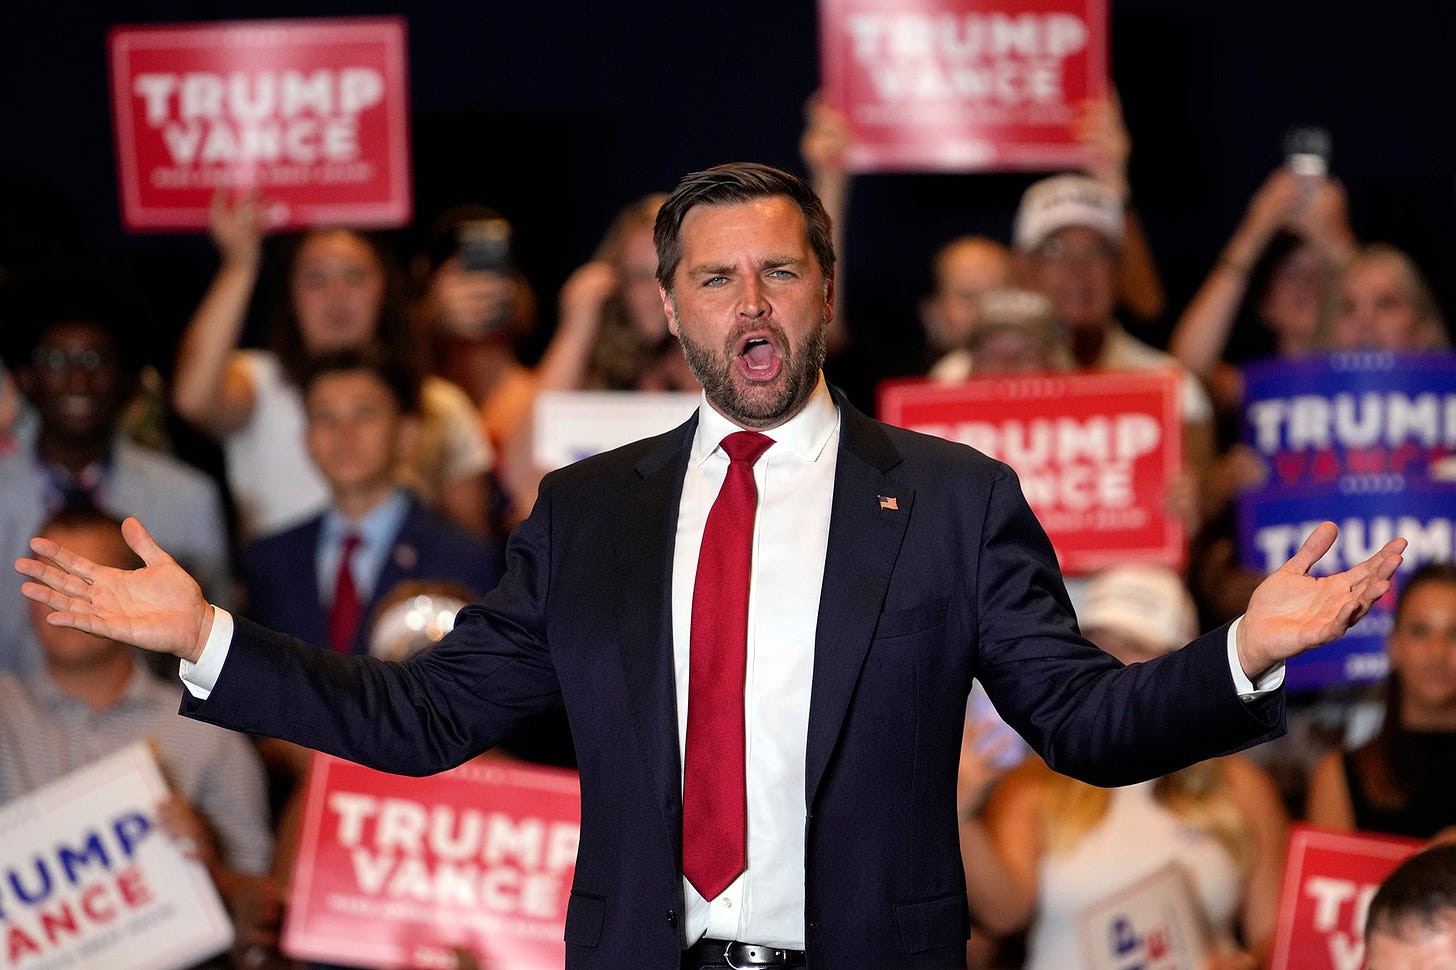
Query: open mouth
76	405
758	358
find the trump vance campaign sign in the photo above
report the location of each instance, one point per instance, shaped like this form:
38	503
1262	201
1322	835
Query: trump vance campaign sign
88	881
1368	441
1329	880
312	113
398	871
1096	453
961	85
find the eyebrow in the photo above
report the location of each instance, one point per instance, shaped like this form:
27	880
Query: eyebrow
725	269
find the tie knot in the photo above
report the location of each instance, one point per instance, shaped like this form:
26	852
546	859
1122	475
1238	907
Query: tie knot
746	446
352	541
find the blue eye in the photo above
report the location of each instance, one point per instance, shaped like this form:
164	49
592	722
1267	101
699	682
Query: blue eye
715	281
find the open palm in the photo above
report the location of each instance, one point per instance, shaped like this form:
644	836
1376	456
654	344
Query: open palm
1292	611
158	607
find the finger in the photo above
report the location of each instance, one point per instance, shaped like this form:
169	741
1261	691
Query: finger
48	576
1318	543
142	543
1390	558
64	558
51	598
1382	565
1369	592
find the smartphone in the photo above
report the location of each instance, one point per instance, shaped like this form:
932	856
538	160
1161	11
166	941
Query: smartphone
484	245
1307	151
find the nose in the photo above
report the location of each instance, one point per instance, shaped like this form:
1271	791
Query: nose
337	288
753	304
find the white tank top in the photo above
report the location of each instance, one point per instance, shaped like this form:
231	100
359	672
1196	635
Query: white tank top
1137	836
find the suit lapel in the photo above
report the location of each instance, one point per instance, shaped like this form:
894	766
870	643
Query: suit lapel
865	533
642	565
313	616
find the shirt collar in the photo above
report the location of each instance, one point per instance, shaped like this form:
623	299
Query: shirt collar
804	435
376	528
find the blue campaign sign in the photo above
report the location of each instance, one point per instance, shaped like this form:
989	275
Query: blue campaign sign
1367	441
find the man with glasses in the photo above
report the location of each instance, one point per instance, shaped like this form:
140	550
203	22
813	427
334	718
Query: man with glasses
73	357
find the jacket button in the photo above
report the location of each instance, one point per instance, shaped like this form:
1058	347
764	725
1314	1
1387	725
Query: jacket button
672	917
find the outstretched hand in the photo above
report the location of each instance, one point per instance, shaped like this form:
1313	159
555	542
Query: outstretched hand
158	607
1292	611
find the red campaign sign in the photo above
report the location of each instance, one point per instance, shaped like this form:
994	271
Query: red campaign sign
1096	453
963	85
395	871
1329	880
314	113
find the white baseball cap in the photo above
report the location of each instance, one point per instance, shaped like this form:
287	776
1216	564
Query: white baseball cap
1067	200
1146	603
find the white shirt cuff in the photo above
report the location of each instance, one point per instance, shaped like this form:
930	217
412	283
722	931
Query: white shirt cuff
1271	680
201	677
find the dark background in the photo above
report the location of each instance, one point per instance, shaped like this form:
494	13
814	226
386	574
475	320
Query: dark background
559	113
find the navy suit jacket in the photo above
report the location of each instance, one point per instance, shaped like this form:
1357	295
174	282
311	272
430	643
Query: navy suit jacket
955	582
283	587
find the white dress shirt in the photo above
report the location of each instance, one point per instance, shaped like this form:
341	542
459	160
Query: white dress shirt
795	480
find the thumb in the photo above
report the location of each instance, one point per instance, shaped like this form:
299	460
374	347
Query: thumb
1318	543
141	542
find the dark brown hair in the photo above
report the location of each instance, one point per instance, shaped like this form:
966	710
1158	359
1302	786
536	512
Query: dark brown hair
1376	762
402	382
392	328
728	185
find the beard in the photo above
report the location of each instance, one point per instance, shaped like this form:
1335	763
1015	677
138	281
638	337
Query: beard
750	405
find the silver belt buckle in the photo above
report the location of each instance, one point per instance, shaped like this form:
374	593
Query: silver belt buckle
780	956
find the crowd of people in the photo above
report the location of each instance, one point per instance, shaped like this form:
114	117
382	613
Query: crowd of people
381	440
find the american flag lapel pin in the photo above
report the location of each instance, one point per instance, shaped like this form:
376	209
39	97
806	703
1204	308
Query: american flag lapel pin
888	503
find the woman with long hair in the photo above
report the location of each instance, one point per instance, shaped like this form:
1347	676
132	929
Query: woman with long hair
1063	845
343	290
1403	781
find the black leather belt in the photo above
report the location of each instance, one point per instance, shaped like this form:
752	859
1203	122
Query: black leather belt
732	954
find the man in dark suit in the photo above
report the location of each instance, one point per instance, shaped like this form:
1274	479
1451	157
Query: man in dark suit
362	415
793	689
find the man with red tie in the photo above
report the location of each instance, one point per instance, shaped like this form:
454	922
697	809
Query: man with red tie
763	625
362	418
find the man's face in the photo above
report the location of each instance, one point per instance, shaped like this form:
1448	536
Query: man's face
355	430
71	649
1415	947
1004	350
964	273
1076	268
76	381
751	307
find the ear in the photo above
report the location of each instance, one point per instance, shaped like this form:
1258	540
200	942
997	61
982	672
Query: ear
669	309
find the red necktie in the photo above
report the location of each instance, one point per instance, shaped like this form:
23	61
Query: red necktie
345	610
715	801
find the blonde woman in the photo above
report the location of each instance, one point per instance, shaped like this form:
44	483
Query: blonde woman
1064	845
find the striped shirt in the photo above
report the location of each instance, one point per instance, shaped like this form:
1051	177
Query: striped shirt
46	733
